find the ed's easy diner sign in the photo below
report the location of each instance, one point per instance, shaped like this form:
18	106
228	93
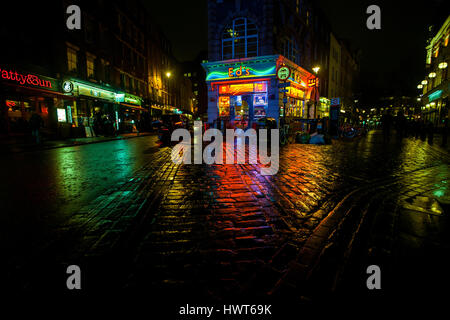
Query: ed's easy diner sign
238	72
25	79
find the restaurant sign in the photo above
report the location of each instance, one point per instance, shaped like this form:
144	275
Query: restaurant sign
250	69
28	79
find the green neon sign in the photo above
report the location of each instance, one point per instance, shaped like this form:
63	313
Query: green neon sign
435	95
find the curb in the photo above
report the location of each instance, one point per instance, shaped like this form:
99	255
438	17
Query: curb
77	144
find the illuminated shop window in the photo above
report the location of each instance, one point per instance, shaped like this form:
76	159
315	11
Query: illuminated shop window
240	39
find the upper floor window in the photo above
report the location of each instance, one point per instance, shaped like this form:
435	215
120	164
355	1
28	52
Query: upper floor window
240	39
90	65
71	59
290	50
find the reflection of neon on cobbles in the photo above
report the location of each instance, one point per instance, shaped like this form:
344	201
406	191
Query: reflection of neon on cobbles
25	79
213	152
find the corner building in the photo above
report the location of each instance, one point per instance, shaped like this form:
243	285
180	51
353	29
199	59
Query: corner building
247	42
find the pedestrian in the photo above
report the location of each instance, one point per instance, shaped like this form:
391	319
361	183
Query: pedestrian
36	123
97	123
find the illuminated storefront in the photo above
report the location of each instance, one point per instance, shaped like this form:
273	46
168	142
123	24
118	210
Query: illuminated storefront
323	108
242	91
124	110
22	93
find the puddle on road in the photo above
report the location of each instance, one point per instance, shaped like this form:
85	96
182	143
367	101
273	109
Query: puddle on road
424	204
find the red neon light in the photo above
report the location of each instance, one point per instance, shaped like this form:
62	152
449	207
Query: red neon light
237	81
25	79
10	103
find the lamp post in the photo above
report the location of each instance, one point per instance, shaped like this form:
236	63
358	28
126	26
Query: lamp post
316	89
168	75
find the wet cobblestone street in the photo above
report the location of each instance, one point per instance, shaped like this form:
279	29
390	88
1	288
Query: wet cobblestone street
225	231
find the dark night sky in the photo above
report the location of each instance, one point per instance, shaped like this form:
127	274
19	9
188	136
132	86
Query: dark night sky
184	22
392	60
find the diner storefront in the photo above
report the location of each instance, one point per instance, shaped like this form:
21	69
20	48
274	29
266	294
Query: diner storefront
242	91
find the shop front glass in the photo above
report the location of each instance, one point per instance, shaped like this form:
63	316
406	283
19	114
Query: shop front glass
20	109
243	103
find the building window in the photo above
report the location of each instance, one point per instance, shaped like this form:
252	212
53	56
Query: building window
240	39
71	59
122	80
90	66
290	50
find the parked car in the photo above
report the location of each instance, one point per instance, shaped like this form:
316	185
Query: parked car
167	125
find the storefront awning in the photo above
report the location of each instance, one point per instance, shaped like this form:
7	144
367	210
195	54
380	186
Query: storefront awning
133	106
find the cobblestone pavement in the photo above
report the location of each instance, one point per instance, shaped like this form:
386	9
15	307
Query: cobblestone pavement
224	231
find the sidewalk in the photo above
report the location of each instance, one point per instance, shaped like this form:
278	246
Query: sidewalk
14	146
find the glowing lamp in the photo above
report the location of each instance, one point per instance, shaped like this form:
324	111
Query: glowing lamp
424	82
442	65
432	75
419	86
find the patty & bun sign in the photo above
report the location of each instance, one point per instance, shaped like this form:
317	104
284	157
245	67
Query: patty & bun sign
25	79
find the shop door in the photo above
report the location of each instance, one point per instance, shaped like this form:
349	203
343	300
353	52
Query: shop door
243	112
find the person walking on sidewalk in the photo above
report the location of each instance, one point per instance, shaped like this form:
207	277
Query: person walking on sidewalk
36	123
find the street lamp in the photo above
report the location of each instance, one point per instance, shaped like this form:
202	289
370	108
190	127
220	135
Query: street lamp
420	86
168	74
316	70
442	65
432	75
424	82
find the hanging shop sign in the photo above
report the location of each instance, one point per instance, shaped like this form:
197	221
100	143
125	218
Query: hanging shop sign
314	82
283	73
67	86
28	79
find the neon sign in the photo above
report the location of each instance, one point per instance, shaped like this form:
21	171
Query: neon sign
10	103
241	88
435	95
28	79
237	72
312	82
241	72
